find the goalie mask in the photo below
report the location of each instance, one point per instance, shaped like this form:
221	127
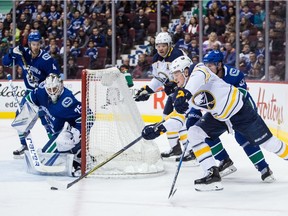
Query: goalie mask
54	86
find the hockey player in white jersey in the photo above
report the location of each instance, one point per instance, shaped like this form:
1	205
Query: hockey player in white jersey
226	109
162	78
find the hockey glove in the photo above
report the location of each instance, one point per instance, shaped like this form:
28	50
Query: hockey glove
143	94
181	103
16	51
31	80
170	87
151	132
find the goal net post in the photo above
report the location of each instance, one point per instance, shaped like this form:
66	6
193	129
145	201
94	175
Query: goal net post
110	121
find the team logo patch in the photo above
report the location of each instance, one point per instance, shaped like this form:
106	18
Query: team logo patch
67	102
204	99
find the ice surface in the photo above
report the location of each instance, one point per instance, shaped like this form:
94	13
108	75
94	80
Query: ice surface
244	193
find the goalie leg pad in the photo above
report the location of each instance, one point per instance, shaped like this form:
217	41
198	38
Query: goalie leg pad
26	118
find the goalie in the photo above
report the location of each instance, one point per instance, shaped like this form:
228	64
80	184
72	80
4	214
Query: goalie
62	111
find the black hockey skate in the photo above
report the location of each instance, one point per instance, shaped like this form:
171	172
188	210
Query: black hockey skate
19	153
267	175
175	151
226	167
187	157
211	182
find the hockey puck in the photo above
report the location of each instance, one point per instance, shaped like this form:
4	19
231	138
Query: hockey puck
54	188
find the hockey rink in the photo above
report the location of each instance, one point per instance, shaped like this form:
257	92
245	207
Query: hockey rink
244	192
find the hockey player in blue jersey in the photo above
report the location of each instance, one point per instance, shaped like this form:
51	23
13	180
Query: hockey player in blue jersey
62	112
36	65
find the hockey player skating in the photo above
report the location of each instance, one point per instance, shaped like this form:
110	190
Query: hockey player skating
62	112
36	65
162	78
226	109
214	61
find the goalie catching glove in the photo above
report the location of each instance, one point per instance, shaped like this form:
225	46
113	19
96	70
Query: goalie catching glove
67	138
151	132
144	93
181	103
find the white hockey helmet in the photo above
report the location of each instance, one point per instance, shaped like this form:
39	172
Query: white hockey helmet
180	64
163	37
54	86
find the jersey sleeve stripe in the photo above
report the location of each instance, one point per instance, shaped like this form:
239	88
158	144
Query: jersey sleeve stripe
228	109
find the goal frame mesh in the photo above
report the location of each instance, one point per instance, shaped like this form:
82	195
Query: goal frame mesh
85	137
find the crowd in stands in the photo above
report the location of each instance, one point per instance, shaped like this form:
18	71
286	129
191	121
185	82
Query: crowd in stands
89	32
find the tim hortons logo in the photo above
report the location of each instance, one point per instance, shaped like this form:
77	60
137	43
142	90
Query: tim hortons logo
268	108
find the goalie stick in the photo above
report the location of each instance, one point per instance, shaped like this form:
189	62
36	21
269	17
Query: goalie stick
33	153
172	190
55	185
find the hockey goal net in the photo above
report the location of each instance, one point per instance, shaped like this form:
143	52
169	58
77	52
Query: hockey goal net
110	121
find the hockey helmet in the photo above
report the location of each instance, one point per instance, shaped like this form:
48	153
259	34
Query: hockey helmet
163	37
34	36
180	64
213	56
54	86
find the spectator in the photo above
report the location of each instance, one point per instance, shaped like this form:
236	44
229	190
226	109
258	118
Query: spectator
21	23
185	44
19	72
77	21
72	68
207	26
3	74
259	17
179	34
24	38
219	27
276	43
54	30
229	55
215	10
195	48
245	26
212	40
251	65
151	49
253	43
75	50
92	52
126	62
96	7
142	69
82	38
195	59
140	24
230	13
181	23
260	47
247	14
87	26
4	47
108	40
53	14
273	74
37	26
193	27
231	25
54	52
7	21
39	11
81	7
97	38
124	69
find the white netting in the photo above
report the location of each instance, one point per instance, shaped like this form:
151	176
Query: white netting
117	123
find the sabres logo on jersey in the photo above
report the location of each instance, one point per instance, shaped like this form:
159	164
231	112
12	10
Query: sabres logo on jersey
204	99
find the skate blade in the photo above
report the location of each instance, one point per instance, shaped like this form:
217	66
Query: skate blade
216	186
228	171
269	179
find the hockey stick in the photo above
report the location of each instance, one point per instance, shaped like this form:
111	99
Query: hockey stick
33	153
172	190
55	185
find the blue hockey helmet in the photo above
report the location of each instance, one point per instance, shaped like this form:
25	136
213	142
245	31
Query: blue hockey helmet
34	36
213	57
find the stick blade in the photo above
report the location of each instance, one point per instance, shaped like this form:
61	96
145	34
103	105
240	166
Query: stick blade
171	194
56	185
